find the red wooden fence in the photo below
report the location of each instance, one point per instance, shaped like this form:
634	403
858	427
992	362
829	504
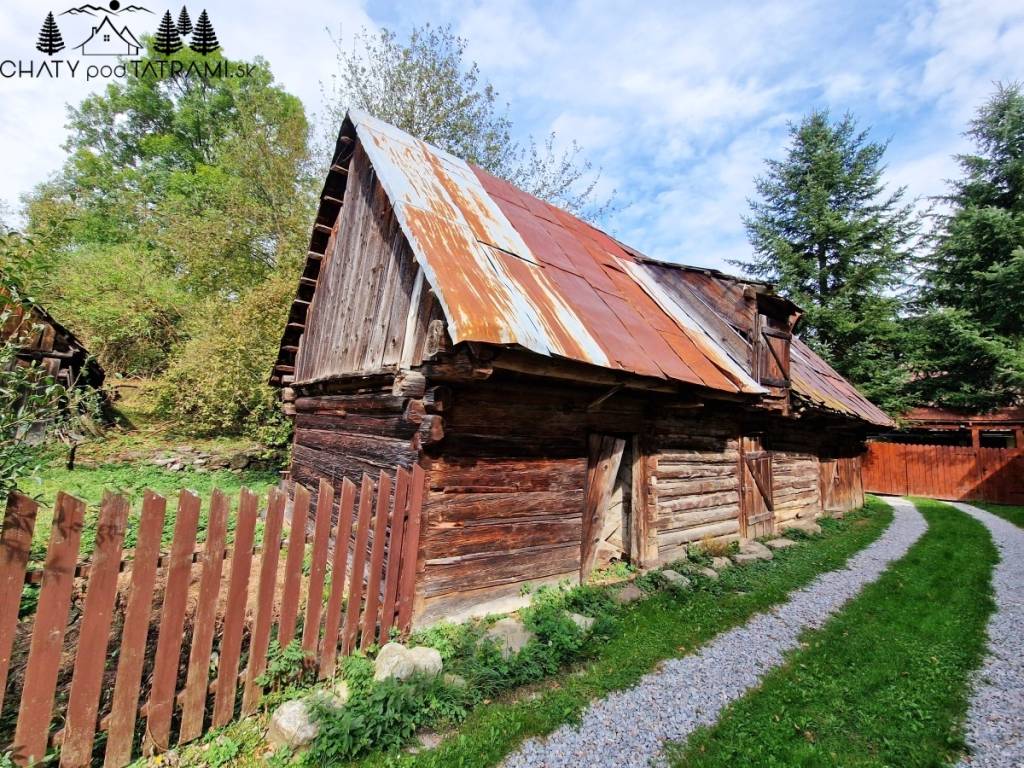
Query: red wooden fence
945	472
113	600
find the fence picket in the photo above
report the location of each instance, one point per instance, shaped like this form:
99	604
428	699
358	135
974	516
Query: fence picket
291	595
318	569
355	588
380	525
15	546
172	621
264	601
410	550
94	637
332	619
38	691
398	518
226	685
197	682
123	710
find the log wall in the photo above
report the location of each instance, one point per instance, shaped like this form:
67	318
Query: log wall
694	480
506	493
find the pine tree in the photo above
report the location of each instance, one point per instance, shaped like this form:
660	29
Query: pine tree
970	350
167	41
831	238
204	39
184	22
50	41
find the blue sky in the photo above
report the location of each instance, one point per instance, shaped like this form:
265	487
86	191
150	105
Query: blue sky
678	102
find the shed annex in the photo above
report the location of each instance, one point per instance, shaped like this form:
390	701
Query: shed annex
571	401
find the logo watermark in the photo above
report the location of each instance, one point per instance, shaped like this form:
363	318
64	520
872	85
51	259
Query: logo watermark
112	31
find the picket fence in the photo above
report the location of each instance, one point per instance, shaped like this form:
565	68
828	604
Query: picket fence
163	683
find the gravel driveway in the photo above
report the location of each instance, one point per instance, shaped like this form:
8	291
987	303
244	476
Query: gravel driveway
995	720
630	727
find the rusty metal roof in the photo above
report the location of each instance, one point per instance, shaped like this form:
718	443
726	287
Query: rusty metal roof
510	269
819	383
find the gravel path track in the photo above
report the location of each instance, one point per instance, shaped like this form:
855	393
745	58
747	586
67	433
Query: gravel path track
630	727
995	719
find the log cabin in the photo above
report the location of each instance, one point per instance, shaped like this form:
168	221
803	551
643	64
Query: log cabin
571	401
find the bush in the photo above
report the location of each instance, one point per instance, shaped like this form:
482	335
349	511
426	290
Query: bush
216	383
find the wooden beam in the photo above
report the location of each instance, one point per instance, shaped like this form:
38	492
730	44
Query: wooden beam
339	169
330	199
314	255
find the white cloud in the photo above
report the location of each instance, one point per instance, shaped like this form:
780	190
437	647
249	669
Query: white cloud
679	102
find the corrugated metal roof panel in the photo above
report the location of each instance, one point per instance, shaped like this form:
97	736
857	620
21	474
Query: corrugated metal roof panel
510	269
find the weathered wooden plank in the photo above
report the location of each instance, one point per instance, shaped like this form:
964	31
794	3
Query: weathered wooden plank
172	621
374	578
94	635
502	506
15	545
494	569
332	620
447	540
394	562
50	624
355	589
318	569
264	620
290	594
132	657
197	682
226	684
410	549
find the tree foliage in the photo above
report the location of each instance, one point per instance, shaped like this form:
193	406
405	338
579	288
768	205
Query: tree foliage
32	405
831	237
425	86
969	350
181	196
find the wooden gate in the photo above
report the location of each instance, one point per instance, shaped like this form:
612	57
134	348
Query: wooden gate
758	513
841	485
604	461
946	472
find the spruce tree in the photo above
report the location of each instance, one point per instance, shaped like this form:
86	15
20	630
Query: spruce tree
50	41
970	335
204	39
832	239
184	22
167	41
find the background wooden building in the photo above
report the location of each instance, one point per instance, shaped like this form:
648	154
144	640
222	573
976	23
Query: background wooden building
570	400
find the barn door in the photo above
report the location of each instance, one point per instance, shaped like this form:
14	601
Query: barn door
758	506
606	510
829	476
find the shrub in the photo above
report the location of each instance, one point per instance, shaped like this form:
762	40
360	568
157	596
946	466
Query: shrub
216	383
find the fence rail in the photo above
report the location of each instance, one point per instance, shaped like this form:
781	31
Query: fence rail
945	472
228	602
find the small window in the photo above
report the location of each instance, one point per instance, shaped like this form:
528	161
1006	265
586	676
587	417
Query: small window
998	439
771	351
106	38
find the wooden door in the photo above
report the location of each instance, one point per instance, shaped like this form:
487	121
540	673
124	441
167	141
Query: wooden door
758	507
603	476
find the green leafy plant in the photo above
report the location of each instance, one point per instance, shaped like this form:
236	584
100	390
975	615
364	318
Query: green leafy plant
287	669
221	751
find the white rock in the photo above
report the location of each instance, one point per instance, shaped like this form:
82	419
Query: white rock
629	594
708	573
583	622
751	551
398	662
780	543
292	725
511	635
675	579
720	563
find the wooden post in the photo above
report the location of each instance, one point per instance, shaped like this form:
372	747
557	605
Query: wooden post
15	545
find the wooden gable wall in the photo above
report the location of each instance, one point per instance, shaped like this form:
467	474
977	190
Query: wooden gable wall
372	306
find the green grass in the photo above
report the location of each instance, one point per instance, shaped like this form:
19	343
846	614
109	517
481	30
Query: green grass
89	484
1014	514
661	627
885	682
